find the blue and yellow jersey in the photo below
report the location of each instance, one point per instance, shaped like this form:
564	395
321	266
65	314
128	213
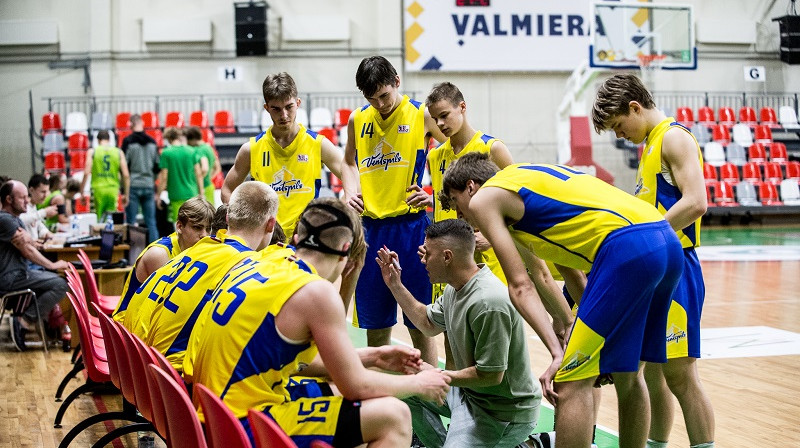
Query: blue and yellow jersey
175	293
293	172
568	213
441	157
236	349
169	244
390	155
654	183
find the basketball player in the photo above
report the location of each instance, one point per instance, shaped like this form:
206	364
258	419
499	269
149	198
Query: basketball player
194	221
670	178
381	178
259	329
287	156
175	294
579	223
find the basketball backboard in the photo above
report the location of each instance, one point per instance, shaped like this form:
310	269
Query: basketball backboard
622	32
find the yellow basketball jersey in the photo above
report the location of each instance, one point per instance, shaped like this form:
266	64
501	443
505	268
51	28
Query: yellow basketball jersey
568	213
441	157
654	183
293	172
236	349
390	155
169	244
175	293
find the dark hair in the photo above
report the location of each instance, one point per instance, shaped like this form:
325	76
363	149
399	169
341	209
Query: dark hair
373	73
36	180
614	97
474	166
279	86
103	135
334	237
193	133
457	231
220	220
5	191
445	91
278	235
55	182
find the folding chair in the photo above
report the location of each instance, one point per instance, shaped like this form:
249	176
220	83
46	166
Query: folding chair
222	427
18	302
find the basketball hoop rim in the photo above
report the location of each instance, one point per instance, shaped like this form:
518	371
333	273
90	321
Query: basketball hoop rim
650	61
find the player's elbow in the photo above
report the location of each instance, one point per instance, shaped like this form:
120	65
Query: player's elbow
489	379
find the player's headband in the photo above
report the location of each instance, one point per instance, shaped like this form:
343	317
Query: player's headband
313	240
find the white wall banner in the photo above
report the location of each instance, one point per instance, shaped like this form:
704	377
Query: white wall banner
496	35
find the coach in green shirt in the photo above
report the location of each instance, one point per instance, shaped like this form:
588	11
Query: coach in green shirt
180	172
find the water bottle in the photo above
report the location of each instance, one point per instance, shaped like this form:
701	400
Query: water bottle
74	230
109	223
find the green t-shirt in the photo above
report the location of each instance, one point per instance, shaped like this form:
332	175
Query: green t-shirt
206	151
485	331
52	221
179	161
105	168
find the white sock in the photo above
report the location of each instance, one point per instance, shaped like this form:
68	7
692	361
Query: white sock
653	444
703	445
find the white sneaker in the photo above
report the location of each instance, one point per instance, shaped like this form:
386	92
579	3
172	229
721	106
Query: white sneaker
543	440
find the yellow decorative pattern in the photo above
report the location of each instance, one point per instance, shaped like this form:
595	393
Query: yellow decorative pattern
415	9
412	33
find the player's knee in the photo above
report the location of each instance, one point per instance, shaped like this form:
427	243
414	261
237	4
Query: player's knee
681	376
387	418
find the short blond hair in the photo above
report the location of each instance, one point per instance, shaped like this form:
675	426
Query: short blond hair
196	210
252	204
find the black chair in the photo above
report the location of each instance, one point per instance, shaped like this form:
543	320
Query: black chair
18	302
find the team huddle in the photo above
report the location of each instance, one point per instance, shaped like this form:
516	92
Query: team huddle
259	317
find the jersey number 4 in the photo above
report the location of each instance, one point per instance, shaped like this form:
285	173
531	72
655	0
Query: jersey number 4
368	129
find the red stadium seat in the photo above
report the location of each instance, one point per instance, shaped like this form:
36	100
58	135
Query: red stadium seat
341	117
78	141
709	195
768	194
685	116
157	136
208	136
54	162
751	173
705	115
330	134
121	136
729	173
768	117
757	153
336	184
726	116
83	204
227	431
762	134
772	173
223	122
724	195
77	159
199	118
123	121
51	122
721	134
174	119
792	169
151	120
747	115
709	173
777	152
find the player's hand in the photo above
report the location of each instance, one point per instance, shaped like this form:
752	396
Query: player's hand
418	198
125	201
399	358
421	252
546	380
51	211
159	204
390	266
433	385
481	243
357	203
562	331
60	265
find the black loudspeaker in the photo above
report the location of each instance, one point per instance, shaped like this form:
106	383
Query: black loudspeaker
250	20
790	38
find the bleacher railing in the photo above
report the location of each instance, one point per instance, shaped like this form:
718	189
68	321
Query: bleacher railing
673	100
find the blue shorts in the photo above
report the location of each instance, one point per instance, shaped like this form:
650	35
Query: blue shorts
624	307
683	322
375	307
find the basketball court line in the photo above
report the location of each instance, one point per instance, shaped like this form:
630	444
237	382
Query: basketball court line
748	253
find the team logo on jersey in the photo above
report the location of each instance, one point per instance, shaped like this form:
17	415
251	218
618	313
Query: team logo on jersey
302	157
640	188
284	182
577	360
675	334
383	157
403	129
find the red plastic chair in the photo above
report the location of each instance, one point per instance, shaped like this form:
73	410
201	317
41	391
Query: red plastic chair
107	304
121	134
123	121
157	136
710	195
266	432
343	115
55	162
330	134
772	172
83	204
335	184
768	194
320	444
729	173
726	116
751	173
199	118
51	122
208	136
757	153
762	134
705	115
77	160
721	134
777	153
183	426
151	120
223	429
747	115
724	195
223	122
792	169
685	116
710	173
768	117
174	119
78	141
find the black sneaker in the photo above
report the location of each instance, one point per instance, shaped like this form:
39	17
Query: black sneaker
18	334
